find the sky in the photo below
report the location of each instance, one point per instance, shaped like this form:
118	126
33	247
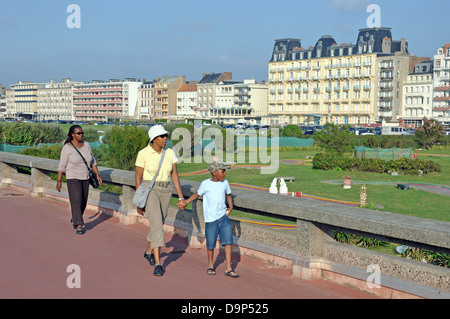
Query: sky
147	39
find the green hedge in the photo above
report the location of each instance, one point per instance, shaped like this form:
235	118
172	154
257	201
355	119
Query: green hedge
406	166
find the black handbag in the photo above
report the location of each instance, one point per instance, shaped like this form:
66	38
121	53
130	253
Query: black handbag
92	176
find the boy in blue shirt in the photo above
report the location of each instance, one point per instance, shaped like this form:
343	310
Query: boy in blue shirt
217	223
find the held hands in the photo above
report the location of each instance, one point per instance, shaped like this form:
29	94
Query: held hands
182	204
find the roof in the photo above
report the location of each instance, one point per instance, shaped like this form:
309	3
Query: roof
369	40
188	88
210	78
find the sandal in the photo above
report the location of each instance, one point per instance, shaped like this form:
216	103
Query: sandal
80	230
231	274
211	271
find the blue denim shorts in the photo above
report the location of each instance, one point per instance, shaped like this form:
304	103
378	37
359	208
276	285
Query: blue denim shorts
221	228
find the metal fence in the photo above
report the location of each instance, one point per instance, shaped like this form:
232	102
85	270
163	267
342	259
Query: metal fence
384	154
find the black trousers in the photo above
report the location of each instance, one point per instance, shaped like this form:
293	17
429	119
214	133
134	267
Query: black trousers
78	197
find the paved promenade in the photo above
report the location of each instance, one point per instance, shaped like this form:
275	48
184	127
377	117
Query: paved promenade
38	244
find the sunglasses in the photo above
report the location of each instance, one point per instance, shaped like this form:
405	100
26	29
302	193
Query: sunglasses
163	136
79	133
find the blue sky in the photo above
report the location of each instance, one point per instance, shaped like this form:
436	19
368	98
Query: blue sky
149	39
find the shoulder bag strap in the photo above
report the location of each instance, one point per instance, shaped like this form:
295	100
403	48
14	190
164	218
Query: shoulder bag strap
81	156
157	172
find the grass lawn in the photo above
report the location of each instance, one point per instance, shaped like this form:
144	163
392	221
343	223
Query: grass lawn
411	202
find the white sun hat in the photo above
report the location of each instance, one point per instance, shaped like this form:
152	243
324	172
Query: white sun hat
156	131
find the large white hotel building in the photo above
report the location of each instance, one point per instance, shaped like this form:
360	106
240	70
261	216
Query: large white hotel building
339	83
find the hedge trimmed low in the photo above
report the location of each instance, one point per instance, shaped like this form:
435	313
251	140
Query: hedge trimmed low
405	166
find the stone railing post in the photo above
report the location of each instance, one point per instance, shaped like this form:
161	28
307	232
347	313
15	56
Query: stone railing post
197	239
310	239
5	171
310	242
129	214
37	181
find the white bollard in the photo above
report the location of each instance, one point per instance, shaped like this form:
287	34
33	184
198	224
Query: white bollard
273	187
283	187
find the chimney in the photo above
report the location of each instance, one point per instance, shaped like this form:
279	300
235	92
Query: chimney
386	45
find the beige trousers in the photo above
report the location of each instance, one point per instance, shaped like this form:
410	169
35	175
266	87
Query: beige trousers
156	211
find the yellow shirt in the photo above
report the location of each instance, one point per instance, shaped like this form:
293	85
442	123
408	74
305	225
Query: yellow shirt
149	159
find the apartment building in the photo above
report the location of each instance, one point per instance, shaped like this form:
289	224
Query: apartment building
187	100
54	100
2	101
338	83
441	98
206	92
106	100
145	101
22	100
418	94
223	109
165	96
250	98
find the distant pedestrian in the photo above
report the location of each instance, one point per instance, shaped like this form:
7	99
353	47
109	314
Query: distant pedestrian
77	175
217	223
158	201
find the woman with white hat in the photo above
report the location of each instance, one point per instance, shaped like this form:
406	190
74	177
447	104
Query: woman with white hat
147	163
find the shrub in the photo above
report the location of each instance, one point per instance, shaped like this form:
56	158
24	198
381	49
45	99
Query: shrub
430	133
51	133
327	161
334	139
292	131
21	133
124	143
52	151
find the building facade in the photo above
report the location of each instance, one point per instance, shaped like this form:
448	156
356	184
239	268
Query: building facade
441	98
2	101
342	84
145	101
165	96
22	100
187	100
418	94
106	100
54	100
251	99
206	92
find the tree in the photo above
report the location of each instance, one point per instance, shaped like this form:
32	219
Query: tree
292	131
123	145
334	139
430	133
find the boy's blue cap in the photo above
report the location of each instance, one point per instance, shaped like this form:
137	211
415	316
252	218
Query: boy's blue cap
216	166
